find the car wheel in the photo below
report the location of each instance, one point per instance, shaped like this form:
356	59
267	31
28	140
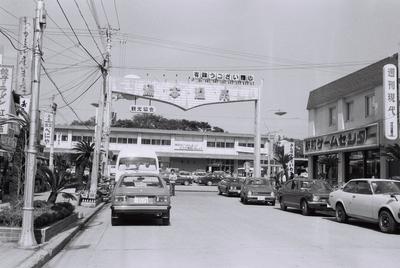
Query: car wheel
186	183
219	192
209	183
387	223
305	210
245	200
273	203
282	204
241	199
341	215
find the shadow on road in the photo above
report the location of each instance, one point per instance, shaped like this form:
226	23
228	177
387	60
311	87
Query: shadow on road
139	221
362	224
314	214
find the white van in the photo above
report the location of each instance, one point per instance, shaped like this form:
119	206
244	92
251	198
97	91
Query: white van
135	160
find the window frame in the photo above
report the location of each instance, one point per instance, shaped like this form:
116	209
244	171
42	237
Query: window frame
349	111
370	99
332	114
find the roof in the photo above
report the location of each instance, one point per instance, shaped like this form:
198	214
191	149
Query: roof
361	80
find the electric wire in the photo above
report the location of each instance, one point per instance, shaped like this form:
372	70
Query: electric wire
116	14
8	12
105	13
11	42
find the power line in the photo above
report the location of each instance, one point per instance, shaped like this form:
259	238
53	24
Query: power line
79	42
11	42
105	13
116	14
83	93
8	12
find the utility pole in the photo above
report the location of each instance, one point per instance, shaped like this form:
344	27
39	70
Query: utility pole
107	129
99	125
53	123
257	136
27	239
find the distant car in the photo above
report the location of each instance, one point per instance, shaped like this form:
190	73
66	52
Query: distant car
373	200
230	186
140	194
165	176
307	195
197	174
184	178
257	190
210	179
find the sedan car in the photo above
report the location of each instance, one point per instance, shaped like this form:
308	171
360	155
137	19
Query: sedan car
257	190
305	194
373	200
184	178
230	186
141	194
210	179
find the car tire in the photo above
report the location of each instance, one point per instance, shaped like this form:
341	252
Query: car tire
209	183
186	183
305	209
166	218
273	203
245	200
340	214
387	224
219	192
282	204
241	199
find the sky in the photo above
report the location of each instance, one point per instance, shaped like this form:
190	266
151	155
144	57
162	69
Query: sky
295	46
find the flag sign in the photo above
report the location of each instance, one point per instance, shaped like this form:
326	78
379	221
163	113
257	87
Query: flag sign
6	73
146	109
289	150
47	129
25	102
390	120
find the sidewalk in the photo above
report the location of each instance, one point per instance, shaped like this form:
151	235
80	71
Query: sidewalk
12	256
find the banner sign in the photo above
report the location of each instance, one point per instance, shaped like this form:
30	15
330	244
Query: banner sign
145	109
185	95
25	102
390	119
6	73
350	139
24	57
47	129
227	77
188	146
289	149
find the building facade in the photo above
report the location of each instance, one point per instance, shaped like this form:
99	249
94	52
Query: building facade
183	150
346	132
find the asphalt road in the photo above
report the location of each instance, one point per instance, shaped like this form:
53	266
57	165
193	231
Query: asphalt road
208	230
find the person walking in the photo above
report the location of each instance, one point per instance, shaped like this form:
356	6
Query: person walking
172	181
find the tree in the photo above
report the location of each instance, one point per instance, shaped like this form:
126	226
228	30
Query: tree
90	122
84	150
329	161
56	179
282	158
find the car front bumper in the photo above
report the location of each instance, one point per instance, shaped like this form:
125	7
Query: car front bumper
143	209
260	198
320	205
234	192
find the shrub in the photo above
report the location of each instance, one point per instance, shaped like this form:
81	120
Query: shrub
39	204
11	217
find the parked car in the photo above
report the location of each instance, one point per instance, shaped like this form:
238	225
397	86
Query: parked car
373	200
165	176
210	179
307	195
197	174
230	186
257	190
184	178
140	194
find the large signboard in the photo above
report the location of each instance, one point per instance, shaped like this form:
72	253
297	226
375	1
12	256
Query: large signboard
144	109
187	94
289	149
47	129
390	119
191	146
6	73
24	57
346	140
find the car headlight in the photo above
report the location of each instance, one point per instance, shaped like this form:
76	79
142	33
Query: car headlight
315	198
162	199
232	188
120	198
249	193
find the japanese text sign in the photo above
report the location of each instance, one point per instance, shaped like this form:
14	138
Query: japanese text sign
47	129
390	100
146	109
6	73
24	57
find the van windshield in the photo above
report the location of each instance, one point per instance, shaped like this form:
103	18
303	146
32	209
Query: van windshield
137	163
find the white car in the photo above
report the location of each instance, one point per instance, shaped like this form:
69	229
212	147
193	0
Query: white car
373	200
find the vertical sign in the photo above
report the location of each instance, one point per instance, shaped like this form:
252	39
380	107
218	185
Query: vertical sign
390	116
5	94
24	57
25	102
47	130
289	149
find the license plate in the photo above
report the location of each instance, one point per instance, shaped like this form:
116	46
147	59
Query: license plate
260	198
141	200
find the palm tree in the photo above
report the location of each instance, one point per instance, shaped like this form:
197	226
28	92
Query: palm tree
84	151
391	151
282	159
56	179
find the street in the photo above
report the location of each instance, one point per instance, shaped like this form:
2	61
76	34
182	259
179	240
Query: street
208	230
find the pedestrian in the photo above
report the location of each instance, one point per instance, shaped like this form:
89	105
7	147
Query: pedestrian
172	180
291	176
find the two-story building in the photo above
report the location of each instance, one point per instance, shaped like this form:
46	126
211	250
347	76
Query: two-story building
346	126
184	150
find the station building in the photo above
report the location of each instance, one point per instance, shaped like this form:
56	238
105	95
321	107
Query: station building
346	127
183	150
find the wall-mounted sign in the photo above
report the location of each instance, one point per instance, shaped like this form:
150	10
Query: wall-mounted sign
185	95
47	129
6	73
145	109
24	57
223	77
390	119
188	146
289	149
345	140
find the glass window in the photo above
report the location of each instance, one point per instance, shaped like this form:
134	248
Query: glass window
220	144
122	140
76	138
146	141
350	187
166	142
64	137
141	181
349	111
250	145
370	105
210	144
363	187
386	187
332	116
229	145
355	165
155	142
132	140
242	144
113	140
137	163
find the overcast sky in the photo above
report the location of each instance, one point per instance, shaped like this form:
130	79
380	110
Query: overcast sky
294	45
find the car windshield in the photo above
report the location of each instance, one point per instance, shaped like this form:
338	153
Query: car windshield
386	187
316	186
137	163
263	182
140	182
184	173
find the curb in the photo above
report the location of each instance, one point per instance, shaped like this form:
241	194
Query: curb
48	251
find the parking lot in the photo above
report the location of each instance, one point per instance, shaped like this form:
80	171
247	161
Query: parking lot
208	230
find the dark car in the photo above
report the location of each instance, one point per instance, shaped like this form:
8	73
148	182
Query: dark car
184	178
210	179
305	194
230	186
257	190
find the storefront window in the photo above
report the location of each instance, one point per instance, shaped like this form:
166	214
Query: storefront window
327	168
372	164
362	164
